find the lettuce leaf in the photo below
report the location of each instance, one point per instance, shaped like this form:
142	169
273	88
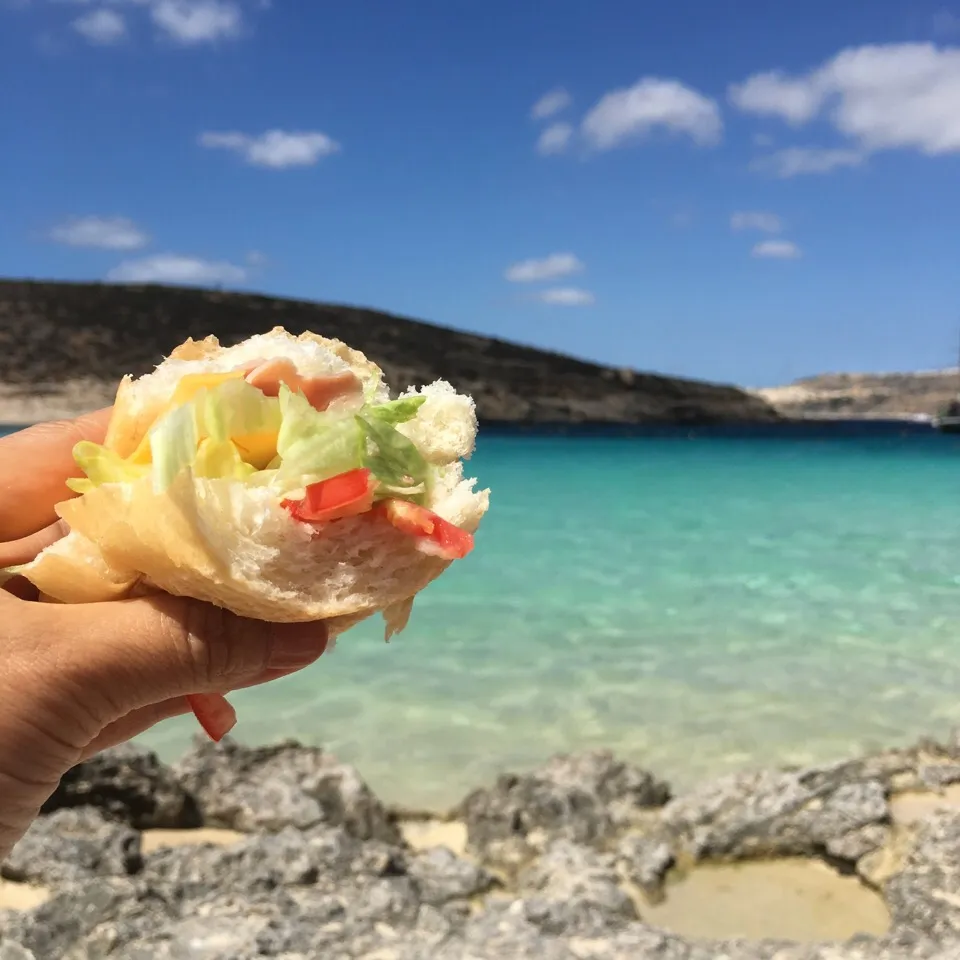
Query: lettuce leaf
394	460
221	459
236	409
396	411
102	466
174	440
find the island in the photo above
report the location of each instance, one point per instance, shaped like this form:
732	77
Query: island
65	346
864	396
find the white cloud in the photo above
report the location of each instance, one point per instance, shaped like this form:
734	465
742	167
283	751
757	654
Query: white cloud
566	297
650	103
880	97
755	220
799	160
197	21
177	269
550	103
549	268
776	250
104	233
555	138
275	148
102	27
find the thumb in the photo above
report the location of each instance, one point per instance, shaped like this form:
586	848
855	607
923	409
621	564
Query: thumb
134	653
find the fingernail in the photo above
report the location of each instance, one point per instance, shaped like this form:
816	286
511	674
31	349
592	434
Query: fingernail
297	645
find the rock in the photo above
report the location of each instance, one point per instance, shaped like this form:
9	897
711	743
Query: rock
773	814
584	799
441	876
573	888
645	861
130	785
109	910
13	951
72	845
269	788
936	776
850	848
925	895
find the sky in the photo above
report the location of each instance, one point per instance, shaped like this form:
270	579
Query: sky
733	190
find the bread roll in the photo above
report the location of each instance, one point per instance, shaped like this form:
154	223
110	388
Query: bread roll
233	540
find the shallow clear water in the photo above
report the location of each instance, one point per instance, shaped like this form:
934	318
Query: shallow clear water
698	605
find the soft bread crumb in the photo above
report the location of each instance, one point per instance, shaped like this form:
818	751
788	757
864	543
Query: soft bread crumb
445	427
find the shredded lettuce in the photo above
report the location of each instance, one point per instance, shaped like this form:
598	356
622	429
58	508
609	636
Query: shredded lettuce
394	460
236	409
102	466
221	458
173	444
232	430
396	411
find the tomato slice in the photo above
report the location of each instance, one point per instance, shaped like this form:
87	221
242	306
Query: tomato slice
215	714
345	495
433	534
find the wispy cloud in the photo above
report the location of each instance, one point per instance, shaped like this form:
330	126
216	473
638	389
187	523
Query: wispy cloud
756	220
102	27
185	22
276	149
197	21
554	138
878	97
104	233
566	297
177	269
548	268
794	161
776	250
550	103
633	112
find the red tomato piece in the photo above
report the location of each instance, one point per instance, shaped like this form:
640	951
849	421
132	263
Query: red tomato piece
345	495
433	534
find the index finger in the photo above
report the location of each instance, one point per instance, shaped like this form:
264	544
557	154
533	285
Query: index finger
35	464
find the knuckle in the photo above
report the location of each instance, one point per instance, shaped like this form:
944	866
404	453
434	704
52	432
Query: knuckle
214	646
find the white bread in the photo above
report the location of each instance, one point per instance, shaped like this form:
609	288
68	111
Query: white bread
234	545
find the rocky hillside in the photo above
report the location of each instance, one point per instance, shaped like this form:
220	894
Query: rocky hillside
64	346
865	394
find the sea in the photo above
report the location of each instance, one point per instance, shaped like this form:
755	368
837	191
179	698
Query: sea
697	601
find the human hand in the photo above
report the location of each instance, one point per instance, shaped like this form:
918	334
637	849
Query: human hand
77	679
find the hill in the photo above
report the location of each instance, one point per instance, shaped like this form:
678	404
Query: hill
866	395
64	347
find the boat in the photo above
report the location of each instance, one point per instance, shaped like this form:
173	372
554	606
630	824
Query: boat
947	419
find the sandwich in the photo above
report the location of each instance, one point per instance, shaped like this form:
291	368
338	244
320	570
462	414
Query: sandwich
276	478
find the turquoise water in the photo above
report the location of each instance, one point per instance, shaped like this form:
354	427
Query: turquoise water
697	605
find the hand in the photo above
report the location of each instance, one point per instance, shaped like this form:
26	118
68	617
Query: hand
77	679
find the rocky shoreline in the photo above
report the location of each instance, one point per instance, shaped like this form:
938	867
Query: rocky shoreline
284	852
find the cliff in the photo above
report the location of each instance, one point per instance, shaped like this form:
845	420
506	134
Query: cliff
865	395
64	346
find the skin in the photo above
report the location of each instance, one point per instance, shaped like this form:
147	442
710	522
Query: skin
77	679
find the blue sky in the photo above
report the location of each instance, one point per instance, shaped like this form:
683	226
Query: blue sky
738	190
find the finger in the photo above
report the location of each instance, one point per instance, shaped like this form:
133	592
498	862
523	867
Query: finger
26	548
34	466
132	653
139	721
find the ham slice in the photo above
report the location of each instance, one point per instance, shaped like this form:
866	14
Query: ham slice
321	392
